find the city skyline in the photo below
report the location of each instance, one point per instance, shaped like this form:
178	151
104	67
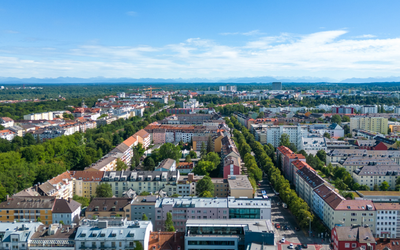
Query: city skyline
196	40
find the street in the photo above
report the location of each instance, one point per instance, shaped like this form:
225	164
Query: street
285	218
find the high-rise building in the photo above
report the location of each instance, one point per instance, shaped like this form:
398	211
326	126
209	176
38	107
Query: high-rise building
369	109
342	110
276	86
375	124
228	88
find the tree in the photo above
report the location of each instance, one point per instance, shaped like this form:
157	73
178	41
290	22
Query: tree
188	159
169	150
193	154
104	144
384	186
336	119
121	165
203	150
304	153
376	188
210	145
203	167
149	164
61	222
38	219
206	194
169	225
82	200
327	135
3	193
144	193
138	245
345	119
205	184
104	190
214	158
321	154
144	217
284	140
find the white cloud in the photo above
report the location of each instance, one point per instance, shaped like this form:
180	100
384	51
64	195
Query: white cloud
131	13
320	54
366	36
11	32
249	33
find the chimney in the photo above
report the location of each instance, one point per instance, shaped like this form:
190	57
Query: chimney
159	232
69	199
175	237
190	177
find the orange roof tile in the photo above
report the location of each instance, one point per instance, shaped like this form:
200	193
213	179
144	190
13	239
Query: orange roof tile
60	178
142	133
130	141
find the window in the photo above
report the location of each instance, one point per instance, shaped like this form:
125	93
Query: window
353	244
347	245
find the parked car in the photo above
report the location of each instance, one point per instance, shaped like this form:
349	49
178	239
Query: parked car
304	245
277	225
291	246
298	247
283	240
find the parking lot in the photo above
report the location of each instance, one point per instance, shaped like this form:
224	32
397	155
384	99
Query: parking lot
286	219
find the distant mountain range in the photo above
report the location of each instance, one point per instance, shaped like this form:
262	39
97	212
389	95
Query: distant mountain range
261	79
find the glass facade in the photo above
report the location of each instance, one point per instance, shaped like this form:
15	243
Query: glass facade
244	213
216	230
211	242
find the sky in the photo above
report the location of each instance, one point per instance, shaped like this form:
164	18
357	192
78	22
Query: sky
199	39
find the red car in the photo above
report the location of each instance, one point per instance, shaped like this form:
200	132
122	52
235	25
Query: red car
277	225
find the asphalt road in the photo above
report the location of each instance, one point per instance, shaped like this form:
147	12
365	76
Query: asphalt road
284	217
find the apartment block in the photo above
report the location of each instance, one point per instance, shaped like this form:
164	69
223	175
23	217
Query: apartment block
338	155
375	124
286	157
183	209
387	220
295	133
17	235
141	181
372	175
113	234
104	208
143	205
86	182
306	181
39	116
353	163
25	209
354	237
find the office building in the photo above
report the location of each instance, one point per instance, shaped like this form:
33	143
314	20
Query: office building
209	209
374	124
231	234
276	86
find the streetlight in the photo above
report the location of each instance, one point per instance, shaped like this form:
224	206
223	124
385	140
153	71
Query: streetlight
309	224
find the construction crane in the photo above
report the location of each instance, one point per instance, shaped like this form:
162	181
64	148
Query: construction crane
151	91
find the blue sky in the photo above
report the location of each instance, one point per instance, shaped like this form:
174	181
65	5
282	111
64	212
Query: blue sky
206	39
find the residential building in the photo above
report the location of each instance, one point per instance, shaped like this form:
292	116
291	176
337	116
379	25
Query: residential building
313	144
306	181
39	116
353	163
86	182
286	157
324	198
221	188
143	137
7	134
185	167
342	110
55	236
17	235
25	209
143	205
167	240
276	86
66	211
113	234
295	134
141	181
6	122
106	163
125	152
352	238
63	184
233	234
239	186
372	175
375	124
166	165
394	128
101	207
230	88
210	209
334	130
228	149
369	109
231	166
337	155
387	220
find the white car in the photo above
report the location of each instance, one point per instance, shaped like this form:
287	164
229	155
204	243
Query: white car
283	240
291	246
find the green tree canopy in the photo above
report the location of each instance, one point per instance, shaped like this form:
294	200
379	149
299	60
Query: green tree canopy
121	165
83	200
205	184
144	217
169	224
104	190
336	119
149	164
327	135
284	140
384	186
169	150
204	167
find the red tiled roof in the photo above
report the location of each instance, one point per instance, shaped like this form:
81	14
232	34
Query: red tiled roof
285	150
142	133
301	164
130	141
88	175
60	178
355	205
